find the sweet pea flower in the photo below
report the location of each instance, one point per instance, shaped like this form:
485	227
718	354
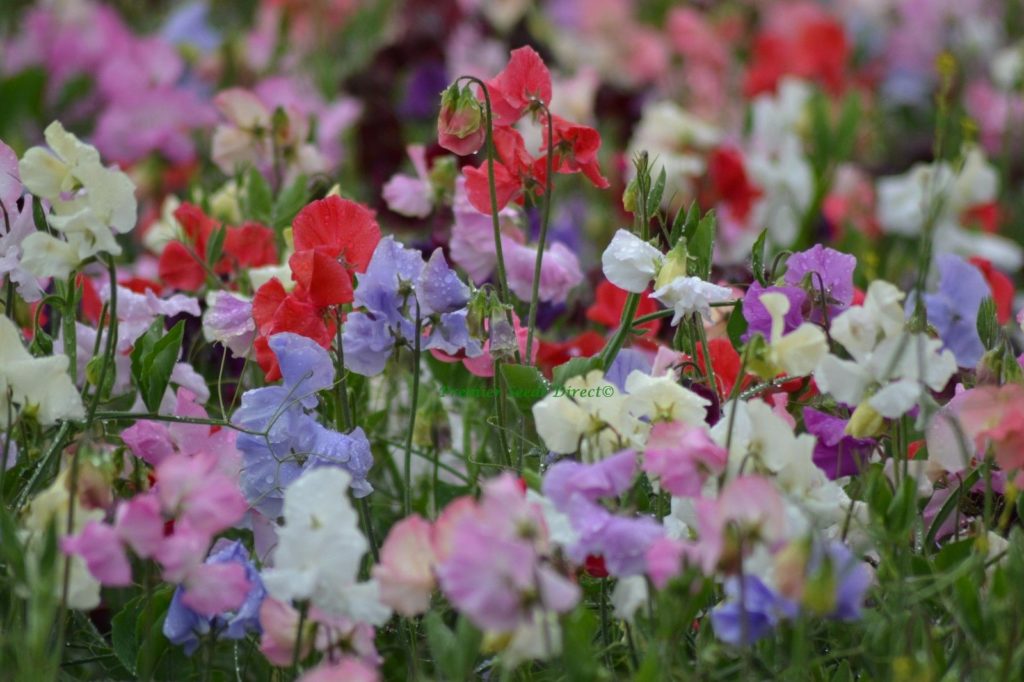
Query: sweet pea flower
750	612
320	548
405	572
682	457
190	616
396	289
285	439
407	195
492	559
688	295
953	309
90	203
629	262
460	125
836	453
228	320
827	272
41	385
759	319
798	352
345	670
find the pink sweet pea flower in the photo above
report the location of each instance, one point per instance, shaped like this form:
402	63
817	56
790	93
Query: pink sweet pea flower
407	195
683	457
345	670
138	523
215	588
100	548
192	489
406	570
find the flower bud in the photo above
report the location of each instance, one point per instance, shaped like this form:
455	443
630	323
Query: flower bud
460	126
865	422
673	267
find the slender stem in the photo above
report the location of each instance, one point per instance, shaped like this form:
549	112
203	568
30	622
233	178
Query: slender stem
297	650
343	412
542	240
412	412
702	338
116	416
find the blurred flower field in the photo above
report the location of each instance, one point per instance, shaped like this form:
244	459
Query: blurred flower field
363	340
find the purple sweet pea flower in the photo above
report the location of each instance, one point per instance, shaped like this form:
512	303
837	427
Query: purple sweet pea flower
396	287
757	317
184	627
852	577
836	453
836	272
625	362
756	604
291	441
622	541
953	309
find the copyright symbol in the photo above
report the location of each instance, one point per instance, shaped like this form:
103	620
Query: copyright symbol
608	391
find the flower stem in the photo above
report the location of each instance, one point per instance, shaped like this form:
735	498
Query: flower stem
412	412
542	239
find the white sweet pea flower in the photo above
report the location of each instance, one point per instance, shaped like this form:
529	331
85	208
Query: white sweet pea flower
686	295
40	385
320	549
941	194
798	352
629	595
629	262
676	141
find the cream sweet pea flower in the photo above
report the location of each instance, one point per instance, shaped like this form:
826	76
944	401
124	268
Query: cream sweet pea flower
798	352
40	385
889	365
629	262
90	203
662	399
320	549
588	414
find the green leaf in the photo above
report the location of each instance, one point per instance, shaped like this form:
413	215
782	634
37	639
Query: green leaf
737	325
702	244
22	96
259	197
684	223
574	368
153	360
290	202
656	193
902	509
122	634
444	647
988	323
526	385
949	505
215	247
578	646
757	258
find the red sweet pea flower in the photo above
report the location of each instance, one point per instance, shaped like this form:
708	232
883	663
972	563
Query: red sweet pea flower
725	363
815	50
553	353
181	264
1001	285
609	302
575	149
730	182
984	216
523	80
334	238
274	311
515	172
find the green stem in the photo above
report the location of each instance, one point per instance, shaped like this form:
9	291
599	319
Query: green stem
542	240
412	412
343	412
297	649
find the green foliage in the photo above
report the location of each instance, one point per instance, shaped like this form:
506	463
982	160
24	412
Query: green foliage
153	360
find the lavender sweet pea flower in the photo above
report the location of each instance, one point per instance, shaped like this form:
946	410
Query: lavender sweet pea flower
291	441
835	270
622	541
624	363
745	622
757	316
836	453
851	575
953	309
184	627
228	320
396	288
